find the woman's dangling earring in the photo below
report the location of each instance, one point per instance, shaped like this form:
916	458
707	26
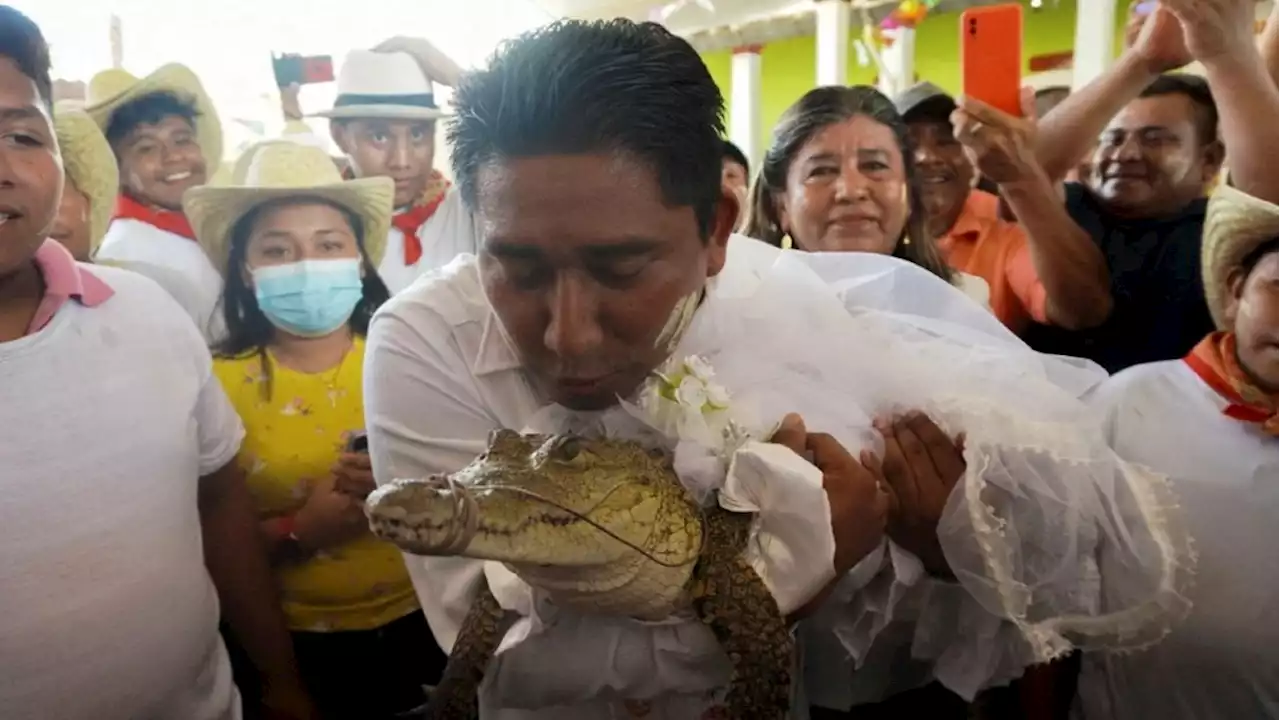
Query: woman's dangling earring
906	203
785	242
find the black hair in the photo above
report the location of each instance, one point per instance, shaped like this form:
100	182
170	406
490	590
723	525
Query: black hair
576	87
817	109
248	329
1195	89
22	42
734	154
1255	256
149	110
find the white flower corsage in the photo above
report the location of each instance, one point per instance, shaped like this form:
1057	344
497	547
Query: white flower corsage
683	402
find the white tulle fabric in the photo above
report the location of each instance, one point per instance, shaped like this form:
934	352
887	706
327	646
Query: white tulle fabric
845	338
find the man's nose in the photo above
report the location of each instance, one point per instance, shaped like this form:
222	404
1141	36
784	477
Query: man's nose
574	328
400	157
1129	149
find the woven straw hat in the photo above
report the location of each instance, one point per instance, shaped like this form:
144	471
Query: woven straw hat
1235	225
278	169
112	89
90	165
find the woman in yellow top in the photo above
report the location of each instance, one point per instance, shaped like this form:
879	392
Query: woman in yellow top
296	246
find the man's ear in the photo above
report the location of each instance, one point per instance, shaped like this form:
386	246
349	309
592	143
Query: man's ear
1235	291
722	226
1215	154
341	137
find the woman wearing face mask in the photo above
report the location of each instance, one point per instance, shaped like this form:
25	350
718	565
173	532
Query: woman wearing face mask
297	246
836	179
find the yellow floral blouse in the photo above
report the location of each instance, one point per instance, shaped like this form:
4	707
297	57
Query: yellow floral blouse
292	439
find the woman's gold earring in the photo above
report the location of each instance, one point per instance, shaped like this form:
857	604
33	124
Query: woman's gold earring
786	241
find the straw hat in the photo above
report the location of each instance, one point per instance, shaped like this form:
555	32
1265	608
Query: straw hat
279	169
90	165
383	85
112	89
1235	224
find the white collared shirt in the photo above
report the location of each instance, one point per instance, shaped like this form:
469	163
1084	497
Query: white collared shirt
131	241
448	233
1220	663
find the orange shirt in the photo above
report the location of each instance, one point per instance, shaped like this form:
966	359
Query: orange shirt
982	244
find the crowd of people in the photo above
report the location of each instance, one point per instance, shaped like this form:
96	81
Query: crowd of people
1024	370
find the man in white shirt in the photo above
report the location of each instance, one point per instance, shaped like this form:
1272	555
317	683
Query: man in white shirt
384	121
1209	423
590	153
167	138
121	500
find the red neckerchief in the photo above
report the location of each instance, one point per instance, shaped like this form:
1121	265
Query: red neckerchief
1214	360
410	220
168	220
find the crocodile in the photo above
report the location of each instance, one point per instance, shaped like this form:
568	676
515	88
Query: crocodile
602	526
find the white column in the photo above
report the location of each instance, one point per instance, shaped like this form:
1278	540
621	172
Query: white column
744	102
1095	35
898	63
832	40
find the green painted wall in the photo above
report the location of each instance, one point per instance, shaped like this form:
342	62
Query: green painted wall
788	66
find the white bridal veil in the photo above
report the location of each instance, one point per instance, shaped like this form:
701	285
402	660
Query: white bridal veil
1055	542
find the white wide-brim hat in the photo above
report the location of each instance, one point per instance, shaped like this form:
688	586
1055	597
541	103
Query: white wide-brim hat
112	89
89	164
279	169
379	85
1235	224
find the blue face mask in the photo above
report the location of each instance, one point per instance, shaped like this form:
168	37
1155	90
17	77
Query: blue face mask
310	298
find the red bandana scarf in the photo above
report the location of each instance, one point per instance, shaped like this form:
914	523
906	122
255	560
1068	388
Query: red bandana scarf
168	220
410	220
1214	360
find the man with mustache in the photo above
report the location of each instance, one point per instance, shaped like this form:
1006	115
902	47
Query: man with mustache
591	154
1159	151
974	238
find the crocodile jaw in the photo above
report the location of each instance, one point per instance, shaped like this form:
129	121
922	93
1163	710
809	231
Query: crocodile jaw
431	517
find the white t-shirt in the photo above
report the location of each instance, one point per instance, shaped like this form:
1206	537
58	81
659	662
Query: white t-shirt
450	232
111	414
1220	664
134	241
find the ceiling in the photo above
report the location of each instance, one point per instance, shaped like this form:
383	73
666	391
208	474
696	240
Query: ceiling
690	17
734	22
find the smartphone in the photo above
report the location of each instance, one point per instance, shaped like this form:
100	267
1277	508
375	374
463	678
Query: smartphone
358	443
991	56
293	69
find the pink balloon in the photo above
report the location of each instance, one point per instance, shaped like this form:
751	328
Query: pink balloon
890	23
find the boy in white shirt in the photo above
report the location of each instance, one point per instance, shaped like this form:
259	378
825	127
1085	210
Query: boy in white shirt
1209	423
167	138
384	121
120	498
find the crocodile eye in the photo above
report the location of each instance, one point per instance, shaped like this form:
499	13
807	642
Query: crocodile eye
567	448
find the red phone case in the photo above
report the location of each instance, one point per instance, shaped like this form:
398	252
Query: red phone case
317	69
991	56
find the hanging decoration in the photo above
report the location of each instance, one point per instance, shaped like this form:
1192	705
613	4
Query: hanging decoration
908	14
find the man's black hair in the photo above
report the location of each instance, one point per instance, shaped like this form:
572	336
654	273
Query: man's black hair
734	154
149	110
1250	261
1195	89
576	87
22	42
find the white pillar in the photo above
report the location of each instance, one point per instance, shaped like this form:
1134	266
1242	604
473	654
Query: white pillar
898	63
1095	35
832	40
744	102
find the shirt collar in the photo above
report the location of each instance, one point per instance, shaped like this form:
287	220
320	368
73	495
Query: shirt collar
65	279
495	353
979	207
